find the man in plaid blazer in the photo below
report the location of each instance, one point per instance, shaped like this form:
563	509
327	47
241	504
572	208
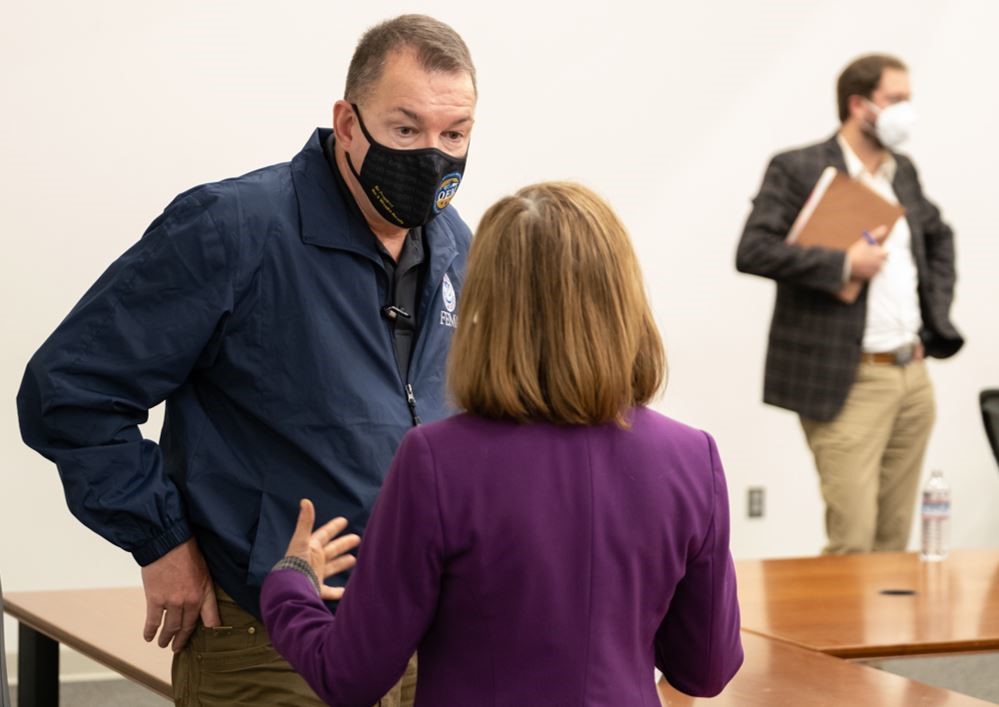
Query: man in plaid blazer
850	329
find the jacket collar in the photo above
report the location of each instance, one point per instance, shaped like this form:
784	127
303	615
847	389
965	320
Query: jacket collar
329	221
834	153
855	168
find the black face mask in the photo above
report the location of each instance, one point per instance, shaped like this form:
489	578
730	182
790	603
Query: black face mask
407	187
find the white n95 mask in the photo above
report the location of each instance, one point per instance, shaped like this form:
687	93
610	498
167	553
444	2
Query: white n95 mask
894	123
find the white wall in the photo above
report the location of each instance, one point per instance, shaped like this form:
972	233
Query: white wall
669	109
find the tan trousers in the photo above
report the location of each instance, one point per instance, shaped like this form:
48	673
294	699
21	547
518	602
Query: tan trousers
870	456
236	664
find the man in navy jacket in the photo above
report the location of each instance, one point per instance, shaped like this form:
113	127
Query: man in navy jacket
296	320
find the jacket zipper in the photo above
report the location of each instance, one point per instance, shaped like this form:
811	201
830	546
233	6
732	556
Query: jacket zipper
411	401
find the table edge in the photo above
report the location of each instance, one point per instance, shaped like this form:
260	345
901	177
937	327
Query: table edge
127	670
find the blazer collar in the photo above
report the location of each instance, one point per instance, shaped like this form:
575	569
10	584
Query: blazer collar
834	153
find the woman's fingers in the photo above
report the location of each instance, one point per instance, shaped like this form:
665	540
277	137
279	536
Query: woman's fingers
331	593
341	546
329	530
306	519
338	565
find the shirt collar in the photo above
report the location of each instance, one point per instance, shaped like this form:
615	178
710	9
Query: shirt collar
855	168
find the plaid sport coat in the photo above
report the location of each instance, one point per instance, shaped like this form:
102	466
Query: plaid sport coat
815	339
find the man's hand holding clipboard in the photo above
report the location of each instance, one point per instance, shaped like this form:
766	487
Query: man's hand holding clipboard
866	257
845	214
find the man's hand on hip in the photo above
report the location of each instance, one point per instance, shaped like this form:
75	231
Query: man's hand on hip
178	591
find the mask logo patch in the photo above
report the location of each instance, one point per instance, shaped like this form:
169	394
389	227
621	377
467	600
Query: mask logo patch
446	191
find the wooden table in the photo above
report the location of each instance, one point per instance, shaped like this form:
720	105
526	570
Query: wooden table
103	624
776	673
881	604
830	605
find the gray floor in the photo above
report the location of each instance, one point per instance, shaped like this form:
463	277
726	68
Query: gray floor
975	674
972	674
106	693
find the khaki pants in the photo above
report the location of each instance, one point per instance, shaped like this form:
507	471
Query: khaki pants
235	664
870	456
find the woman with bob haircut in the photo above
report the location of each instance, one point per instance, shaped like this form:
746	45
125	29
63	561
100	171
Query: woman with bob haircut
556	540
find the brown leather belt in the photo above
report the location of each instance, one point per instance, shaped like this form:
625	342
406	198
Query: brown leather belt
899	357
879	357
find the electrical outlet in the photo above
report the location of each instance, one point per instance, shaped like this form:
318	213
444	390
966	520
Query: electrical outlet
757	501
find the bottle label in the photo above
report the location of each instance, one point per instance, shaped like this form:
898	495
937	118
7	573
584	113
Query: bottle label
938	508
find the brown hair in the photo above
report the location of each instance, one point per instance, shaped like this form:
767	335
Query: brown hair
861	78
437	46
554	321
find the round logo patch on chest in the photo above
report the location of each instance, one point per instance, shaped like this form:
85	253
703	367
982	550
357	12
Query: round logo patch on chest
447	289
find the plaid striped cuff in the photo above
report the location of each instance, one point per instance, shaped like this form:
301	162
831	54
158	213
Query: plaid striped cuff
300	565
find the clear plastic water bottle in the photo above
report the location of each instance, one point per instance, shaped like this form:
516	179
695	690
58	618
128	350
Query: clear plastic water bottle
935	518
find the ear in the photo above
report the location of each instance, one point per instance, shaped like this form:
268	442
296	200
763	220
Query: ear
858	107
344	123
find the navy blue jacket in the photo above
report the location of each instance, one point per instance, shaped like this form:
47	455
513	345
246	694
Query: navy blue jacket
252	307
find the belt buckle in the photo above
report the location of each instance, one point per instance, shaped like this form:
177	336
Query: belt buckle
904	354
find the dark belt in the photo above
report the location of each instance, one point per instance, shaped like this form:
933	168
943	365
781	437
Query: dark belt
898	357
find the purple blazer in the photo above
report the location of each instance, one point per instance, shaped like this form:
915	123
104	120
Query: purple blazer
529	565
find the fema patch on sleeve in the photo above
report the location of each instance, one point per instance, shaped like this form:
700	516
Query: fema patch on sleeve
446	191
448	317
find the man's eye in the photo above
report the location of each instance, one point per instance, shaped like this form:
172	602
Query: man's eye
407	132
453	135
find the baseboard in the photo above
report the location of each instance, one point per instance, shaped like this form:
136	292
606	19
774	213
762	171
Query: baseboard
73	667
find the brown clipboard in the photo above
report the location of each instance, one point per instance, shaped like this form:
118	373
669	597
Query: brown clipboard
838	212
